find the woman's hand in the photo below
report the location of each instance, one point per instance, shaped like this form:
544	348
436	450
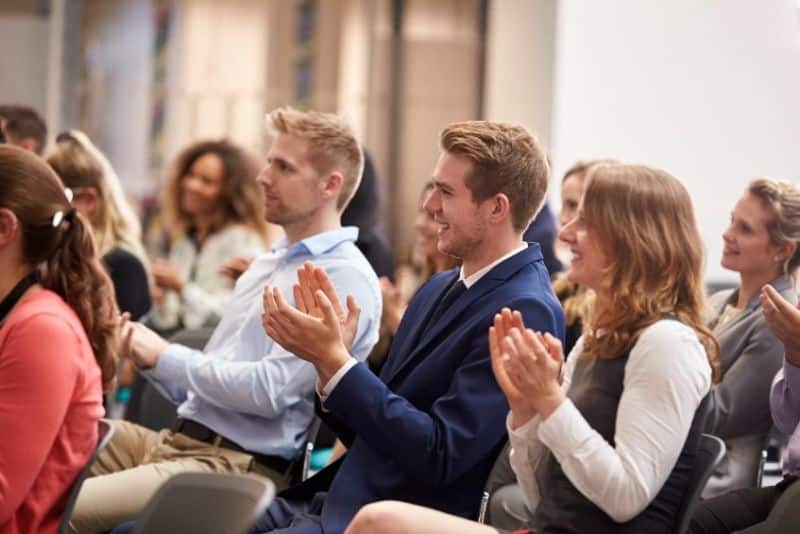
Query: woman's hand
165	276
784	320
534	367
522	409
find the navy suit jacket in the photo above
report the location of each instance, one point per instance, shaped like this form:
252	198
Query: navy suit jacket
428	430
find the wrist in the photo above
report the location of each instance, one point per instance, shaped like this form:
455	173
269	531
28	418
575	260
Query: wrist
549	403
793	356
329	366
521	415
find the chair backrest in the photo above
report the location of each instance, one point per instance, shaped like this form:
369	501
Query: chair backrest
709	454
206	503
105	430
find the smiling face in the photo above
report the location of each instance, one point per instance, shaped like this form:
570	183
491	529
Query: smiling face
201	186
748	247
461	223
292	186
589	262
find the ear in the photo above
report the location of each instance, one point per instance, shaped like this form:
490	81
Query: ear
786	251
9	226
332	185
28	143
500	208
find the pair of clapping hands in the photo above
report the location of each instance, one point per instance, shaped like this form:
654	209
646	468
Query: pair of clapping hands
528	367
784	320
316	329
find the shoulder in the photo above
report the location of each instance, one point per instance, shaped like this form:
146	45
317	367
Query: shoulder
720	298
121	259
669	348
44	318
239	232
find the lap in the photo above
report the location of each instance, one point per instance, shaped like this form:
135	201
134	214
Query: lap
284	516
733	511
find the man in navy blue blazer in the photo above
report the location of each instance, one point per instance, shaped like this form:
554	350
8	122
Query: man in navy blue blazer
428	430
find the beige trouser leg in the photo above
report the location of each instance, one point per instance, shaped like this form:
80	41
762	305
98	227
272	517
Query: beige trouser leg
133	466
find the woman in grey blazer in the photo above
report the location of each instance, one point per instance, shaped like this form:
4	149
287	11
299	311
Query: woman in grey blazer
761	245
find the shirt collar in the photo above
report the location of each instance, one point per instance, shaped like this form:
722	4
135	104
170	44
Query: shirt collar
472	279
319	243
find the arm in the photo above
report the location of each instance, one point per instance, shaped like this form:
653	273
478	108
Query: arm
740	401
39	375
279	379
666	377
434	446
785	398
527	450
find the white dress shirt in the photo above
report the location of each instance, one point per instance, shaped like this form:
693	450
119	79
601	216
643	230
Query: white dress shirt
666	377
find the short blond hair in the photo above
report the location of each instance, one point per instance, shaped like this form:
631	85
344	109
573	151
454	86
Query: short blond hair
782	198
333	145
507	158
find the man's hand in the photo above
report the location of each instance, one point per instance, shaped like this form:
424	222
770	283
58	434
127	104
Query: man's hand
165	276
312	279
784	321
139	343
314	335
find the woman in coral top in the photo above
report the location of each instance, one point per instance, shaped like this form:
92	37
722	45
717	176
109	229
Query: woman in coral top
57	340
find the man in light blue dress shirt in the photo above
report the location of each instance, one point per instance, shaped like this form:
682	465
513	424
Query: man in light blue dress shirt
245	402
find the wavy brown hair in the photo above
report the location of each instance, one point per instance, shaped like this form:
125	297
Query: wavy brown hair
644	220
242	200
33	192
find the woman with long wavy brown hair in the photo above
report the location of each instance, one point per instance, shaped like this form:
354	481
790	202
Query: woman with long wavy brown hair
213	211
58	341
608	443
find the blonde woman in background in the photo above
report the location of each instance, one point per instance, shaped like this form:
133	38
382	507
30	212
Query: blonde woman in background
761	245
213	211
98	196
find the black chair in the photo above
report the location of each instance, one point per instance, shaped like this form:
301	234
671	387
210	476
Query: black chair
105	430
206	503
709	455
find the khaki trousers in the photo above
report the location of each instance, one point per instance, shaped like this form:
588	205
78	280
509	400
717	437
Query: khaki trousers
137	461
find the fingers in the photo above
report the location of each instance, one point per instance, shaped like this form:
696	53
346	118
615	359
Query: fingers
353	310
330	317
554	347
306	281
326	286
299	301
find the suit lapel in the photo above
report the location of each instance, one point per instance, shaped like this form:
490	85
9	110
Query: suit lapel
419	346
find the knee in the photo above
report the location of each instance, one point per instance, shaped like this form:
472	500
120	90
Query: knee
384	516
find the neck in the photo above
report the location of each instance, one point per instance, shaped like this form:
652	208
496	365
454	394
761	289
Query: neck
11	275
203	224
751	284
316	224
490	251
441	262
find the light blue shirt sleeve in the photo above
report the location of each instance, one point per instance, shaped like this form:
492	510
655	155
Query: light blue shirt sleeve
267	387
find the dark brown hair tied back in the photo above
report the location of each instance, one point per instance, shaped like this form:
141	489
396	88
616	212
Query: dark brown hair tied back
30	189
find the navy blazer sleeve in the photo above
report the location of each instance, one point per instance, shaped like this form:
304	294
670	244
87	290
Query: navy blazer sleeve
436	446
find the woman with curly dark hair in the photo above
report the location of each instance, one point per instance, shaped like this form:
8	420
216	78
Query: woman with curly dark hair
213	211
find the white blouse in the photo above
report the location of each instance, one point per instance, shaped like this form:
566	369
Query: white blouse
206	290
666	377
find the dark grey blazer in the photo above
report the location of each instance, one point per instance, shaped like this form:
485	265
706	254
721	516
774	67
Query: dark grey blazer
750	355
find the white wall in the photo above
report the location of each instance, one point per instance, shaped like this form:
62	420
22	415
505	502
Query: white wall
709	91
24	39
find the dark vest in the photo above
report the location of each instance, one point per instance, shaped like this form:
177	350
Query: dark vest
595	389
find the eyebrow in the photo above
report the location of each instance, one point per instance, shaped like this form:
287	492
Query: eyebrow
441	185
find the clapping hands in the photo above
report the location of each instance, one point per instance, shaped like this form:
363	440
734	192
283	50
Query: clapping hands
527	366
317	330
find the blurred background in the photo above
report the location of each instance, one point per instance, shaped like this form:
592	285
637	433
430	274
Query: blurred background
706	89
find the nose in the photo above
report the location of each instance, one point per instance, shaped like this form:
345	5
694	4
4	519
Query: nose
264	176
727	235
567	233
190	182
432	202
